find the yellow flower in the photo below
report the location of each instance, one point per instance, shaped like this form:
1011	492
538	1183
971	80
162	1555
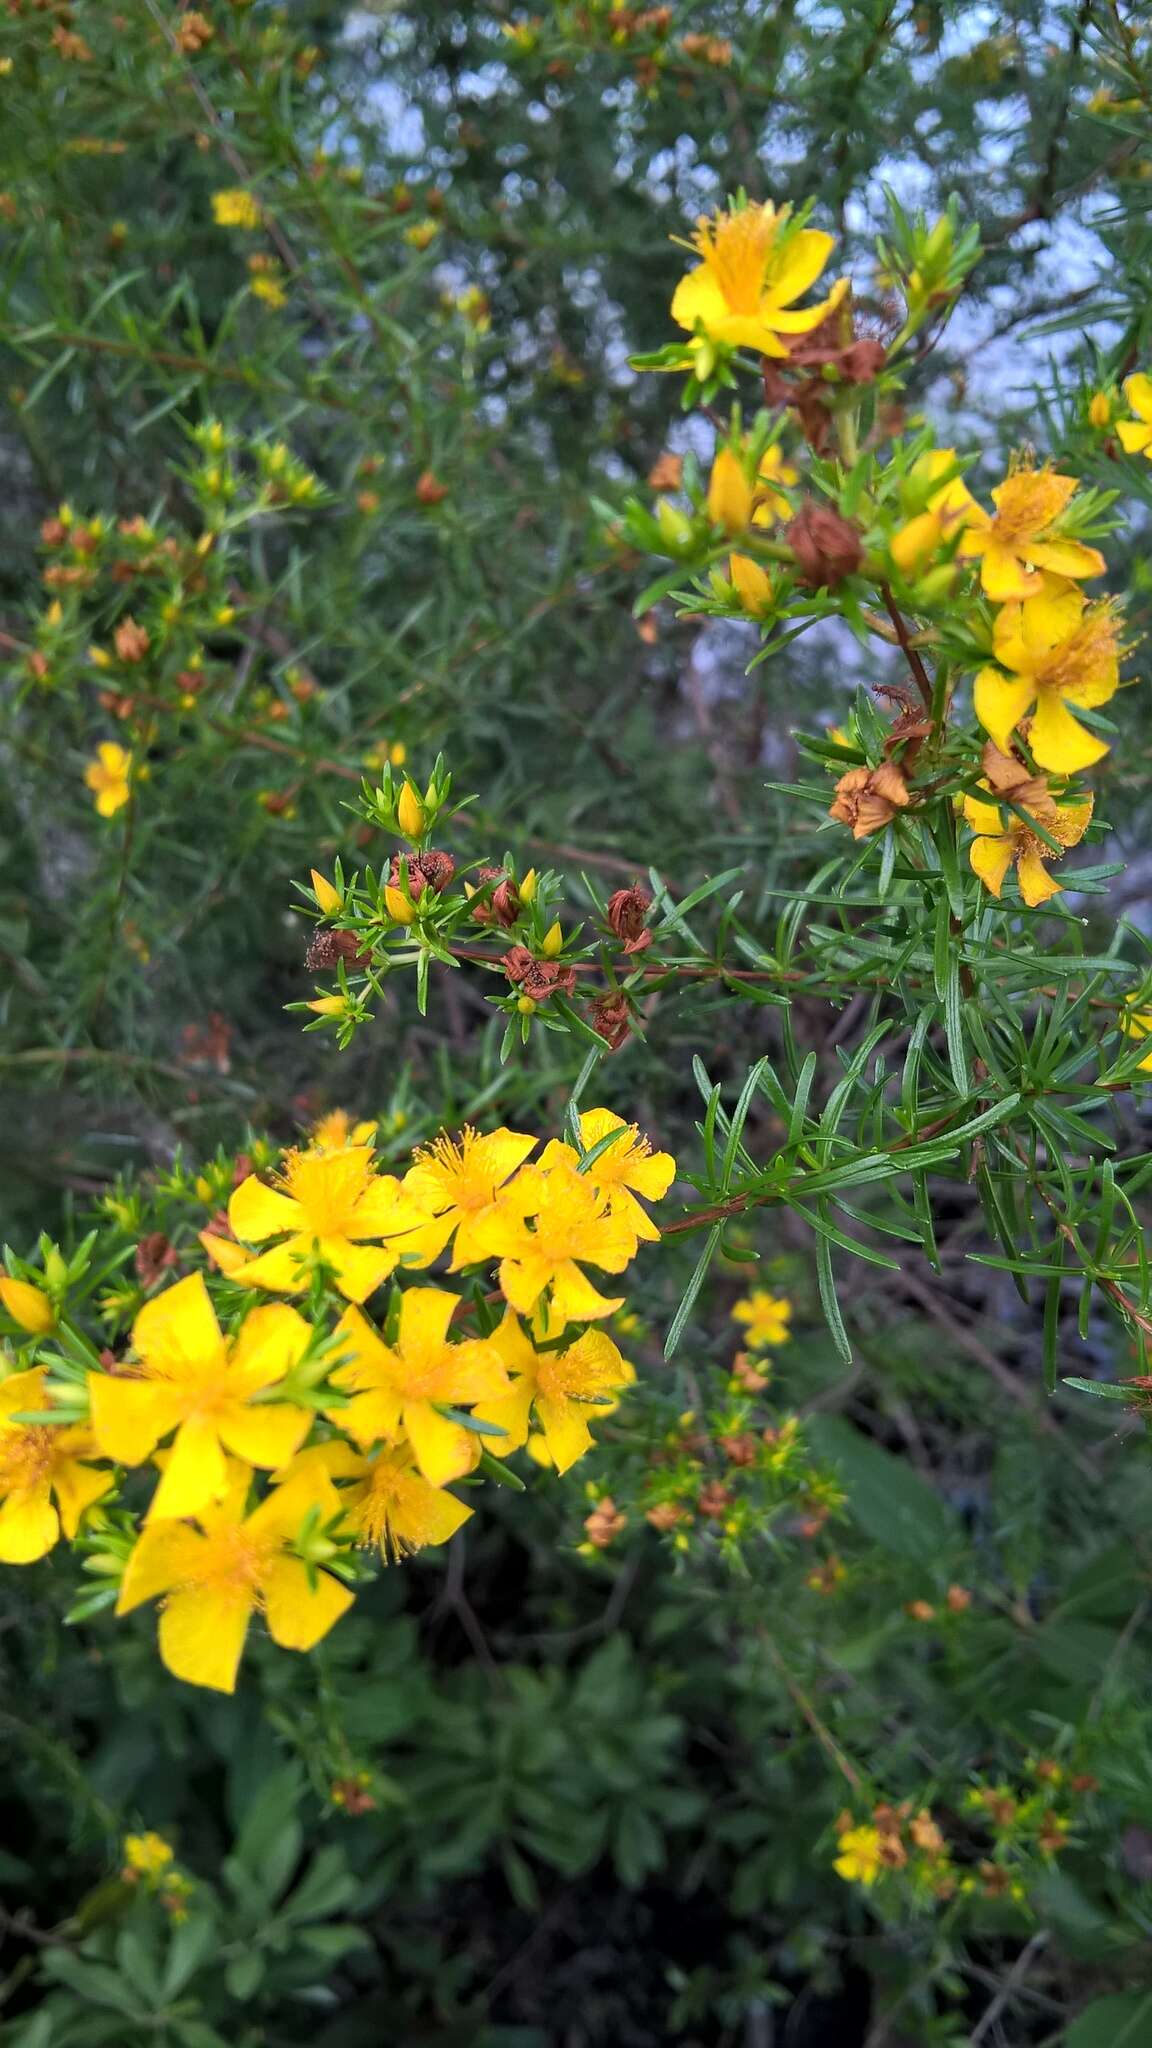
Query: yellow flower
566	1389
458	1181
1060	652
336	1132
269	290
771	504
753	584
236	208
37	1460
1024	537
398	1391
1136	435
206	1387
754	267
859	1860
947	508
729	492
766	1318
392	1505
422	233
27	1305
109	776
212	1579
147	1855
1136	1023
999	844
331	1202
573	1222
628	1164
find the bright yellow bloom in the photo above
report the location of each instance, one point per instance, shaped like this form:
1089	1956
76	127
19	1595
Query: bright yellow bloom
766	1318
729	492
336	1132
459	1181
398	1390
859	1860
565	1389
266	286
1024	537
327	895
330	1202
236	208
109	777
206	1387
628	1164
1136	435
148	1854
1061	652
573	1221
771	504
1004	839
214	1578
27	1305
753	584
754	267
37	1460
948	508
391	1504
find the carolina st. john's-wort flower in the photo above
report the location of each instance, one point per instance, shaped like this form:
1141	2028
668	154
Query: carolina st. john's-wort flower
389	1504
1025	536
206	1387
213	1578
458	1181
573	1221
1136	435
1004	839
41	1462
109	777
564	1388
754	266
328	1203
398	1390
765	1318
1060	652
625	1169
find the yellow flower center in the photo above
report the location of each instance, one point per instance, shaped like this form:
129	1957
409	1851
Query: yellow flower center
328	1187
1082	655
27	1457
573	1209
736	248
463	1178
234	1560
1029	502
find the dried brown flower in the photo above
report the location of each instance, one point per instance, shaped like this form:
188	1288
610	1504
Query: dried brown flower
827	547
867	799
627	912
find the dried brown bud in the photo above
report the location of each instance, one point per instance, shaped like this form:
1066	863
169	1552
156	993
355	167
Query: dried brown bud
537	978
867	799
666	472
862	361
604	1524
627	911
503	905
714	1500
132	642
740	1450
431	870
612	1018
154	1255
429	489
749	1375
827	548
666	1515
958	1599
330	946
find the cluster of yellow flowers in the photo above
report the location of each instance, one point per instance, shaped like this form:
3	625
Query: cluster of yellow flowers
1053	654
352	1432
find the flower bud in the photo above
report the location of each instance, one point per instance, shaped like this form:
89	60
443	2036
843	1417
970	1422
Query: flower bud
675	526
410	813
27	1306
327	895
398	907
553	941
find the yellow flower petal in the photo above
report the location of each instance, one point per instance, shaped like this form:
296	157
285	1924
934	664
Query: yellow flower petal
299	1611
1058	740
165	1554
991	860
194	1474
177	1329
1000	703
267	1434
29	1526
1036	884
444	1450
129	1417
202	1636
256	1211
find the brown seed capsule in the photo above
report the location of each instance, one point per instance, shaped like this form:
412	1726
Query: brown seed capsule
429	489
627	911
827	548
537	978
132	642
611	1017
330	946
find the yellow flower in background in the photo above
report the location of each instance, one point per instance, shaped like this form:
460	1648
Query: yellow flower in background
398	1390
771	504
147	1855
331	1202
573	1222
1062	652
336	1132
1136	435
754	266
213	1578
27	1305
565	1389
109	777
625	1169
765	1317
206	1387
422	233
860	1859
265	282
39	1460
236	208
1137	1023
729	492
1024	537
458	1181
948	508
1003	839
753	584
